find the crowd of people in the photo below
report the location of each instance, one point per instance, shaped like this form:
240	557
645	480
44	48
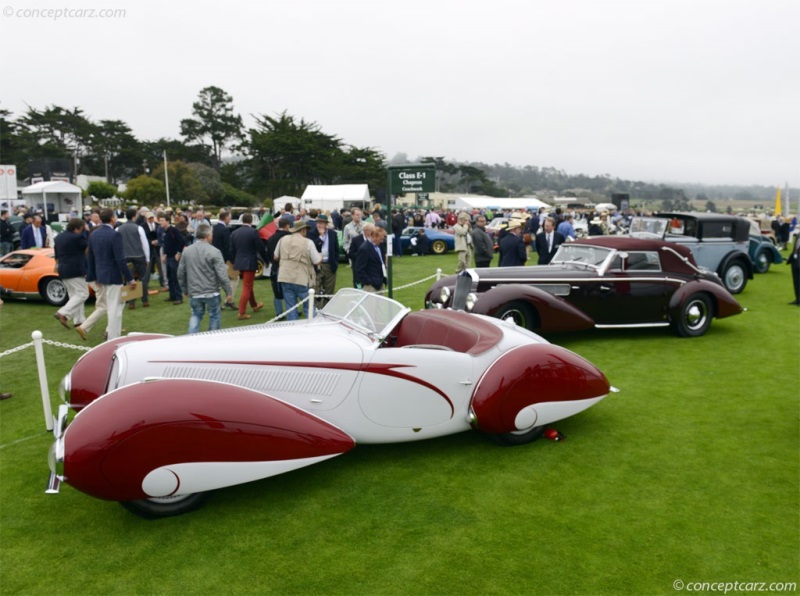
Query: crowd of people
188	258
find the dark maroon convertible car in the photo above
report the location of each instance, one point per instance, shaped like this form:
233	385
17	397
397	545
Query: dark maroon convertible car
595	283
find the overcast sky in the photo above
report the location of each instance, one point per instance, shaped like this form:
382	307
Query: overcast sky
656	90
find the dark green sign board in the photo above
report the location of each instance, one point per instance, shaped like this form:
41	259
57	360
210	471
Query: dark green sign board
405	179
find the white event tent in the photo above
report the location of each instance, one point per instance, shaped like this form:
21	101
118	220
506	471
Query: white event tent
59	199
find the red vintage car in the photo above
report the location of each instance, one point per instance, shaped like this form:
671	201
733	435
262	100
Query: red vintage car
610	281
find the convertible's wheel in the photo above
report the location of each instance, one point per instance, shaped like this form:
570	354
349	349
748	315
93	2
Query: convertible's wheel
439	247
695	316
519	312
734	277
762	262
521	437
259	269
53	291
156	508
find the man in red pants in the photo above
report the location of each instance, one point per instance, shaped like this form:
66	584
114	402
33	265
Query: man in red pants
246	245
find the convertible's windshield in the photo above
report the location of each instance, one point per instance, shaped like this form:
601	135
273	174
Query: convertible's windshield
371	312
648	227
582	253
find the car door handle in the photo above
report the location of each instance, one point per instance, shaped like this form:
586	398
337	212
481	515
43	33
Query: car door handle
467	382
605	288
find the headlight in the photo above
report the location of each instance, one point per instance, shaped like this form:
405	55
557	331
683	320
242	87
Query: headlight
444	295
472	298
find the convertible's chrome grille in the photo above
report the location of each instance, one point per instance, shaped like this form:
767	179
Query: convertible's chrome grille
307	382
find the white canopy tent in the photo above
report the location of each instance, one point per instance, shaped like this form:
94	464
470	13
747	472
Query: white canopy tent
335	196
498	204
60	200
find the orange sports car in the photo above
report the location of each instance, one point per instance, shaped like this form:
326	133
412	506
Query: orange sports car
31	273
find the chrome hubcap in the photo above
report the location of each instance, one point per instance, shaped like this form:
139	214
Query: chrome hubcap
695	315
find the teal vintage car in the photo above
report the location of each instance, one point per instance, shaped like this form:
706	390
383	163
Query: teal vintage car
762	252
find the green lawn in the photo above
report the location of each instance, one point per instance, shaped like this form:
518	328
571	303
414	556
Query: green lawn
689	473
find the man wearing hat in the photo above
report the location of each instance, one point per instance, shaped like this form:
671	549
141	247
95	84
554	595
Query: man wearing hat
246	245
327	244
512	247
296	256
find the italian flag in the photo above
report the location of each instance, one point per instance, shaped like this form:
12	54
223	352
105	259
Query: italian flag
267	226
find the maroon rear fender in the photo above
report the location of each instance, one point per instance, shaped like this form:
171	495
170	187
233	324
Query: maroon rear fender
532	374
555	314
115	442
89	376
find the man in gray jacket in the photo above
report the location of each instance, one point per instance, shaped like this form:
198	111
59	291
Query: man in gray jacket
137	254
201	274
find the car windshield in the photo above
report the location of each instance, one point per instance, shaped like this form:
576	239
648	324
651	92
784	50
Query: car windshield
373	313
582	253
650	227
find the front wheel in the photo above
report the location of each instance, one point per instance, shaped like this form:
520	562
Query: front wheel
522	314
53	291
439	247
762	262
159	507
695	316
520	437
734	278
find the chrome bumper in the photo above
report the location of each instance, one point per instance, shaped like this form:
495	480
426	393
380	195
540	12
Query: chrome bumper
55	457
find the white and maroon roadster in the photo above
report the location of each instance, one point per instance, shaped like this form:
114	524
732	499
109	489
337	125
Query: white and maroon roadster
162	420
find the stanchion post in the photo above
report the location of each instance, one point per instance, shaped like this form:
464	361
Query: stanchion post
438	274
48	410
310	309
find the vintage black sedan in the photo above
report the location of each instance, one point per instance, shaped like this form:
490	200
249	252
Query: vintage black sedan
607	282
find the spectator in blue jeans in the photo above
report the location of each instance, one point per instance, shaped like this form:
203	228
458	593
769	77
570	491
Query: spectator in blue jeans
6	234
201	274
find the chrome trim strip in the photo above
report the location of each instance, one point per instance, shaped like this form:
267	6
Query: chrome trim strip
571	280
632	325
681	257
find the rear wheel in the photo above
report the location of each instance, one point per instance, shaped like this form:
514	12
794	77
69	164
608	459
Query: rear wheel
159	507
439	247
734	278
695	316
762	262
521	437
53	291
522	314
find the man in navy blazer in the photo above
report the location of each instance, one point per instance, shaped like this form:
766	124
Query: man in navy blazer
34	235
70	253
107	269
327	243
370	268
548	241
246	245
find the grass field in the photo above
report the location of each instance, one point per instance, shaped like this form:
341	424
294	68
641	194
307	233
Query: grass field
690	473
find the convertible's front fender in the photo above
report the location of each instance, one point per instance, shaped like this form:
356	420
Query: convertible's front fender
725	305
534	385
89	376
555	315
178	436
